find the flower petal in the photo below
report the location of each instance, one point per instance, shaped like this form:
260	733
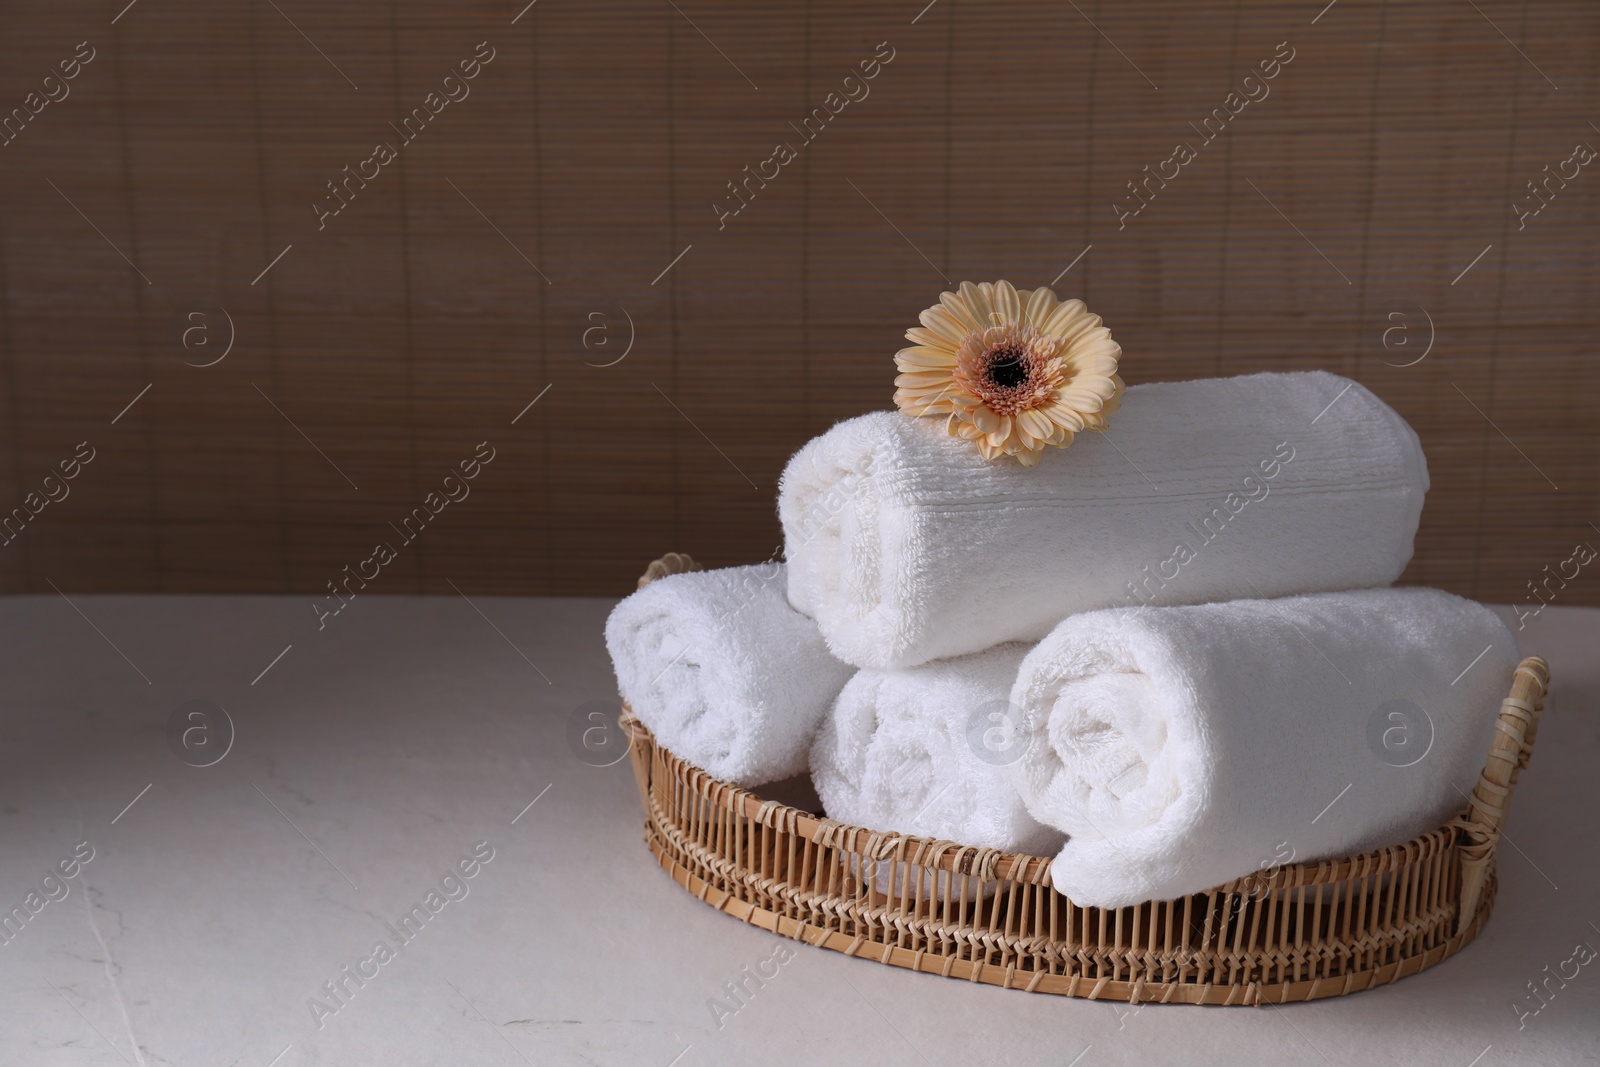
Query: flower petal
940	322
933	374
1007	305
931	340
978	300
1102	385
1096	344
1115	400
1085	403
1063	317
1064	416
1083	329
920	407
1035	423
924	380
1037	307
913	398
957	308
1102	365
928	359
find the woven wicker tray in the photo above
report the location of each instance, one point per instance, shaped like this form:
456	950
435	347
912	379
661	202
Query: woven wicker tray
1307	931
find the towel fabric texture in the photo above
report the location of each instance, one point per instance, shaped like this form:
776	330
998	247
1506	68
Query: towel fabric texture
1183	747
906	545
903	750
724	672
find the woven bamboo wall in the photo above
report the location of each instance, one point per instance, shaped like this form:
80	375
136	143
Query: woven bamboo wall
530	221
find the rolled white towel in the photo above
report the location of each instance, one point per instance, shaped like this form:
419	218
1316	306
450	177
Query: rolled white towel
724	672
1184	747
906	545
904	750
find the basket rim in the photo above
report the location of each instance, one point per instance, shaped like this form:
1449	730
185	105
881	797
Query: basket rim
1143	990
992	863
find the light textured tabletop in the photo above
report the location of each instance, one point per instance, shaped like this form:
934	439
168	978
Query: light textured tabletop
369	759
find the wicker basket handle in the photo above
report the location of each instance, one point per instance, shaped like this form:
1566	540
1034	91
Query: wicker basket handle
1485	816
671	563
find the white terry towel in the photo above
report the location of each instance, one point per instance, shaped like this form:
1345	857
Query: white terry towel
724	672
904	750
906	545
1181	748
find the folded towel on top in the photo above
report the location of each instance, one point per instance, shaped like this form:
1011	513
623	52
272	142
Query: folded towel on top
903	750
1181	748
724	672
906	545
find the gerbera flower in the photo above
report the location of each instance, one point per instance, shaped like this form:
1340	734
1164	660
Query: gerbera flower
1011	370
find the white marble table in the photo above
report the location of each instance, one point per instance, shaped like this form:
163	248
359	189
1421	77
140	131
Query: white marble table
375	755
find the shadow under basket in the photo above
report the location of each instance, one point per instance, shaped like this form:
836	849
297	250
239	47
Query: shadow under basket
1303	932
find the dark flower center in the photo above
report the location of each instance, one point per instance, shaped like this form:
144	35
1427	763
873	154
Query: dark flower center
1006	368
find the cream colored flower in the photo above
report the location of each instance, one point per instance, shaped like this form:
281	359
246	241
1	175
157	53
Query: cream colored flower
1012	370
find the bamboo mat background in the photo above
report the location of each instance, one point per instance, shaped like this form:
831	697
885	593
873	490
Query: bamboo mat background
502	255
